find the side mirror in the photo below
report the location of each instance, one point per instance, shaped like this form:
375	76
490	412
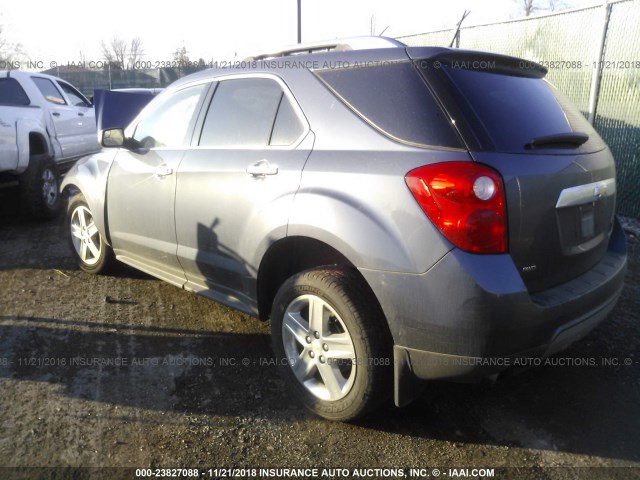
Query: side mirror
113	138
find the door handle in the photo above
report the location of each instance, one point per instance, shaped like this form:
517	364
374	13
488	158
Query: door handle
163	171
262	168
56	114
80	114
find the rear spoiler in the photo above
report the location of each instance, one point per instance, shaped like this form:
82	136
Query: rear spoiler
480	61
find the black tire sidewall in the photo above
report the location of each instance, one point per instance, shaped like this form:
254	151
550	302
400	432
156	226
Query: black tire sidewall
31	191
350	303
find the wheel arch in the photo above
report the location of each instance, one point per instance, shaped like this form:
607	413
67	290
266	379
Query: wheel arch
292	255
32	139
89	177
37	144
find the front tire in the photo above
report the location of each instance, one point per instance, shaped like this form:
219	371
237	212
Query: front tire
332	343
87	245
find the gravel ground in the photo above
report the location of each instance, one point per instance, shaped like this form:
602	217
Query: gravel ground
196	387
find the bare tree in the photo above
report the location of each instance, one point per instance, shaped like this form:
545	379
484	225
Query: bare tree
531	6
10	52
112	53
557	5
181	56
3	45
119	48
136	52
528	7
122	54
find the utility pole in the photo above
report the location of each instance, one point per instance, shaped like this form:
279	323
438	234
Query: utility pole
299	21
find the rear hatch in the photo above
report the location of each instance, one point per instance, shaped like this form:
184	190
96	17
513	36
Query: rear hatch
559	175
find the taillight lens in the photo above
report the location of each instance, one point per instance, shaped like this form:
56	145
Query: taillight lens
465	201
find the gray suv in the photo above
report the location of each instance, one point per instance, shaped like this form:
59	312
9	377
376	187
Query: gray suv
398	214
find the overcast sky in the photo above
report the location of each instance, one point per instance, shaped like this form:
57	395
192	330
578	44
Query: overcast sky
217	30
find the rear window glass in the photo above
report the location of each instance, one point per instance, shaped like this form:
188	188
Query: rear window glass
506	112
11	93
394	99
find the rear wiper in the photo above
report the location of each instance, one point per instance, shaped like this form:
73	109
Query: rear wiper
560	140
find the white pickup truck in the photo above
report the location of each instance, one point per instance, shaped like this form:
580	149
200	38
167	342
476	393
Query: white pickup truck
45	124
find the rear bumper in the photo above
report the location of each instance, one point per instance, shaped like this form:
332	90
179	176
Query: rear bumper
471	316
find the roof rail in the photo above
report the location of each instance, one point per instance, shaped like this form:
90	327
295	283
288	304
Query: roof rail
338	44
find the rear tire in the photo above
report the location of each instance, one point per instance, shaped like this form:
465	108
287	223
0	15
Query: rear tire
40	188
332	343
87	245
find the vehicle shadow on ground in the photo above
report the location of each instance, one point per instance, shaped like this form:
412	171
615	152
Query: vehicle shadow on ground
209	373
18	248
191	371
52	252
550	409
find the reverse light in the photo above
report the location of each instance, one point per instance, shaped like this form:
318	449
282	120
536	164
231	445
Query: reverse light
484	188
465	201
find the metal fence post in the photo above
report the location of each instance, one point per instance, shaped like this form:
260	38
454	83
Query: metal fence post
599	62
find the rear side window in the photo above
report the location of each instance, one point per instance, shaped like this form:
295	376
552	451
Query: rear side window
49	90
506	112
250	112
287	127
11	93
395	100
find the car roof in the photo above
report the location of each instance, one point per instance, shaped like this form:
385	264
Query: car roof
340	58
142	90
22	74
337	44
311	61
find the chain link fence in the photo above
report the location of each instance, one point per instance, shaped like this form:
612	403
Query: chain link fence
88	80
618	112
569	45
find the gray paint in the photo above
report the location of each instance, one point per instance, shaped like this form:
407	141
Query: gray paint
204	223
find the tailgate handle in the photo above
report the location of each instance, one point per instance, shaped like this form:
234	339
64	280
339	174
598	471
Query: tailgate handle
262	168
588	193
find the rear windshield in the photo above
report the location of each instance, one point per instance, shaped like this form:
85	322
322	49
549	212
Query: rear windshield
394	99
506	112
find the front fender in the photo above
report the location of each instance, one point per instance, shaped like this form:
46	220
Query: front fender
89	177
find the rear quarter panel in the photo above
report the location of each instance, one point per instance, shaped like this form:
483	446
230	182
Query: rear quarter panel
358	203
352	193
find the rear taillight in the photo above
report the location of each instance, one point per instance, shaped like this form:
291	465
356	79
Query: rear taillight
465	201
